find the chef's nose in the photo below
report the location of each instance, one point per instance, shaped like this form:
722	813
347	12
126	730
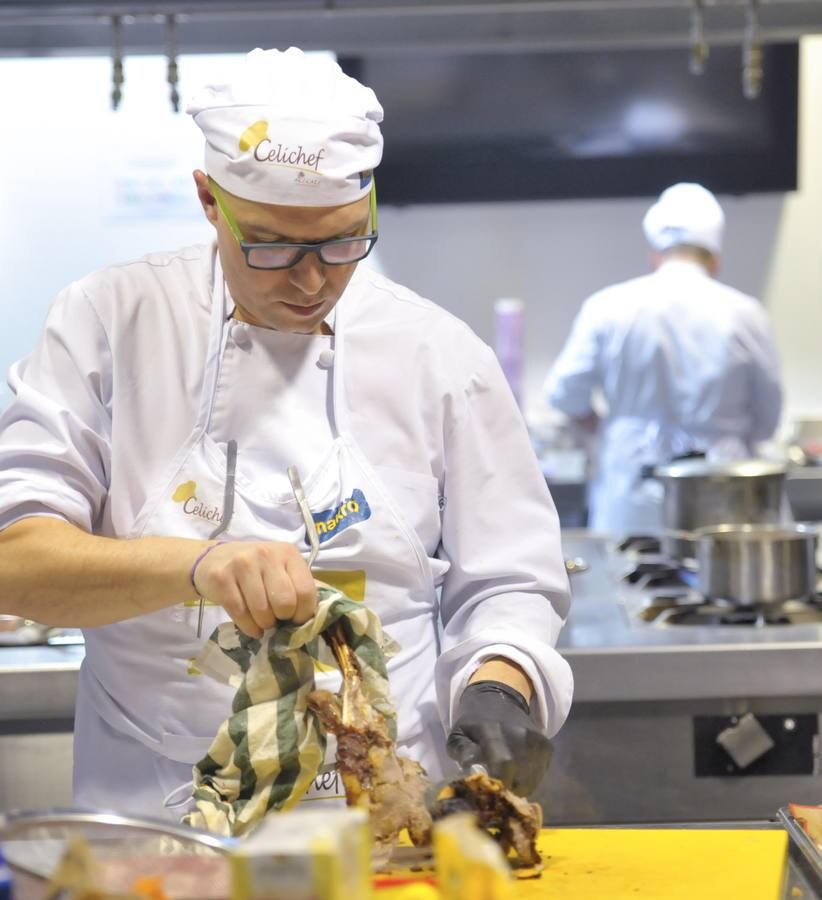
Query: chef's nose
308	275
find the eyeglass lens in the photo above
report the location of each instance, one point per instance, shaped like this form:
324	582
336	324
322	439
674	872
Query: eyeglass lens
331	253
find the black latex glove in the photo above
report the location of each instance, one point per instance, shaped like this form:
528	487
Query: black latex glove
493	728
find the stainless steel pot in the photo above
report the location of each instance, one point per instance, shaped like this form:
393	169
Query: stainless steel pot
699	494
757	564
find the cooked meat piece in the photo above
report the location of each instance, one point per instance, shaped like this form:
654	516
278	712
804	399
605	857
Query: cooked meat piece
810	820
391	787
512	820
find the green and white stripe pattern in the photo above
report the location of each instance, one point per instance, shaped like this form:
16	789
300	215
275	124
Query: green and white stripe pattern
270	749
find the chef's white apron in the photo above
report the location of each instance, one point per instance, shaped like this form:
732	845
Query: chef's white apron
144	714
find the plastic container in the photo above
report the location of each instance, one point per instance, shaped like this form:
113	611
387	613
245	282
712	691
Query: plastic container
305	855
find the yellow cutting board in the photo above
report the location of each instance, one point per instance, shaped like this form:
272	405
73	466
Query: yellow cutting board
658	864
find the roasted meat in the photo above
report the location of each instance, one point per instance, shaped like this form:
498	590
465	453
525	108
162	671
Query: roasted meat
809	819
511	819
391	787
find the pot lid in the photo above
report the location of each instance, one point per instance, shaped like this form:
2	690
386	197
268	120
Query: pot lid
750	533
699	468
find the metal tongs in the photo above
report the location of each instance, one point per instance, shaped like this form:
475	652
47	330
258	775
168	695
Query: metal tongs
334	635
310	529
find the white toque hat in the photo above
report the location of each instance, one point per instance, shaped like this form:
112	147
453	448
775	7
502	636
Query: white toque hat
685	213
291	129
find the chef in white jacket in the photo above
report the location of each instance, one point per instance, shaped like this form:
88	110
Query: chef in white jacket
143	463
686	365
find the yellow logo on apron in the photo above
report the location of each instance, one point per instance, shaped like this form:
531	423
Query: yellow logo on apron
185	491
186	494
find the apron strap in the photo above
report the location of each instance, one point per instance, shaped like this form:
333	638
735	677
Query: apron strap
228	493
228	512
217	336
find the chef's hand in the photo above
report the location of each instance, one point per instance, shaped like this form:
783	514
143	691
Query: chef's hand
493	728
257	583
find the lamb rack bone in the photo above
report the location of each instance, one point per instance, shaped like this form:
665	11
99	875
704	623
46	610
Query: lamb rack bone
392	788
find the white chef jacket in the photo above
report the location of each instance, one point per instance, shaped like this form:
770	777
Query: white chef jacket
110	393
685	363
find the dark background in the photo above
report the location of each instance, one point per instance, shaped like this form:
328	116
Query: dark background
569	125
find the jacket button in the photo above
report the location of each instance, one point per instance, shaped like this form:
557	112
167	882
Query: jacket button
241	337
325	359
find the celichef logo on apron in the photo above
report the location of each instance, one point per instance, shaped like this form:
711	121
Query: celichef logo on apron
186	494
331	521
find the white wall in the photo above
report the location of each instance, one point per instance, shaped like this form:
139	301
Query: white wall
84	186
793	286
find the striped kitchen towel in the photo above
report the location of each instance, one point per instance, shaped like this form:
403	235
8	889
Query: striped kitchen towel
269	750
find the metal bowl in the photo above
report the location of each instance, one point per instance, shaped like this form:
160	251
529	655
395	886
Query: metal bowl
193	865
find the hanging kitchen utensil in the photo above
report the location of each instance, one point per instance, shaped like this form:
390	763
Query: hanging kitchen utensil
699	46
171	68
752	53
117	76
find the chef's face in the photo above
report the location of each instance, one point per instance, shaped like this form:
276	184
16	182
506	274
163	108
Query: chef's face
295	299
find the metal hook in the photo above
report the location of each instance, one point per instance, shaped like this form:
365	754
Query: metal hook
117	76
171	71
752	53
699	46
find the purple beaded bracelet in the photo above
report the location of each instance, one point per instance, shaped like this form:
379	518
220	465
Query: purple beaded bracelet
199	559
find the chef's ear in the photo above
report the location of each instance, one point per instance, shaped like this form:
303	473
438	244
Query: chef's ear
205	196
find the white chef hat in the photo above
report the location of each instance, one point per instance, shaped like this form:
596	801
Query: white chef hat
685	213
292	129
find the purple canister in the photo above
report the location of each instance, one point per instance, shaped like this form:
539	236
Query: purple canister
508	341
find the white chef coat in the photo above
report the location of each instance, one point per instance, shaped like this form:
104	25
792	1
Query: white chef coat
287	418
685	363
110	394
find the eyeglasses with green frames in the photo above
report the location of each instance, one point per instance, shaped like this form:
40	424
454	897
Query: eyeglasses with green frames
285	254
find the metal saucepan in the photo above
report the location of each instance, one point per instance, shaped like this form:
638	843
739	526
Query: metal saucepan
15	631
756	564
699	494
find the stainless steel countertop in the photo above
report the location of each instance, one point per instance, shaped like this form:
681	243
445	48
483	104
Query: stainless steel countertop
613	657
616	657
39	682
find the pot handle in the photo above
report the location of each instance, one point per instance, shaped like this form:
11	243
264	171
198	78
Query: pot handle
649	470
679	534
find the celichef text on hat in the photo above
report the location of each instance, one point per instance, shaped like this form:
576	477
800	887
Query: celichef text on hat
288	157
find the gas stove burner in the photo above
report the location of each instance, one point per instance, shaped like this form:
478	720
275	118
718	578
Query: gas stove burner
648	570
664	604
721	613
647	575
640	543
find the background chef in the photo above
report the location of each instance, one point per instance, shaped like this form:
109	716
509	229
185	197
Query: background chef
686	365
143	462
